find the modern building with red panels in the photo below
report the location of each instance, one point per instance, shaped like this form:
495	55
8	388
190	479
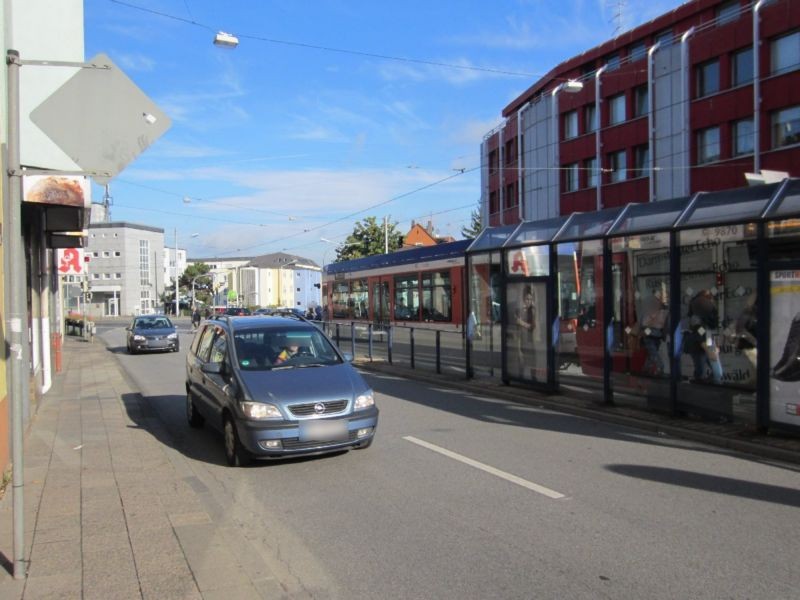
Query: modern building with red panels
690	101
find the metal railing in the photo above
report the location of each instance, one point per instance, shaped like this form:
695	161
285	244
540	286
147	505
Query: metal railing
422	348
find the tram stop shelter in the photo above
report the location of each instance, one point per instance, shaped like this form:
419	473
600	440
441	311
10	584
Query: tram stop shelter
689	306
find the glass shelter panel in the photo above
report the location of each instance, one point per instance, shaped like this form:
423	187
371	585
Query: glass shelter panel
526	338
484	312
715	339
730	206
579	324
492	238
640	320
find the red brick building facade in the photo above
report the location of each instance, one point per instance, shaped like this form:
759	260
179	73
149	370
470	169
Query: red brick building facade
676	109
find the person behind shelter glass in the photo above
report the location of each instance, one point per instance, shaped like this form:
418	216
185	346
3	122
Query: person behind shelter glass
526	321
652	331
698	341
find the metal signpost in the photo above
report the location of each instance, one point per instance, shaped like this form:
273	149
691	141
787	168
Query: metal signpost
102	121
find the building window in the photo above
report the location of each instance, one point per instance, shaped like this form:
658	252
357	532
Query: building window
571	124
511	196
612	62
494	208
786	127
571	177
117	253
95	275
786	53
590	118
708	78
616	109
708	145
618	164
641	161
742	67
641	101
590	166
117	275
664	39
510	152
727	12
144	262
637	51
494	161
743	137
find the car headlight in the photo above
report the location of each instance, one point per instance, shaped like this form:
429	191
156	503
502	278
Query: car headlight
138	338
365	400
260	410
172	336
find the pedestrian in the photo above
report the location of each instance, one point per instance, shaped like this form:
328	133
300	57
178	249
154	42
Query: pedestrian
652	330
525	320
698	341
195	318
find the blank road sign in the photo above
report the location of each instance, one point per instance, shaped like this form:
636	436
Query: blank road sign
100	119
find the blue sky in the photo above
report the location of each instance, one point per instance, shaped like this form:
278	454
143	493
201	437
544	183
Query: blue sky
328	111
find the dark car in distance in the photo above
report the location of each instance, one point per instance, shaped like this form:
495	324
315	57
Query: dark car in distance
152	332
237	311
276	386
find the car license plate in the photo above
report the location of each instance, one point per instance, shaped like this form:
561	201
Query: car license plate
323	431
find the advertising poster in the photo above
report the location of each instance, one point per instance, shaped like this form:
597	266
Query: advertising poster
784	382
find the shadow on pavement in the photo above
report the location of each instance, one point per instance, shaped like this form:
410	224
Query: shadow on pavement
164	418
712	483
477	405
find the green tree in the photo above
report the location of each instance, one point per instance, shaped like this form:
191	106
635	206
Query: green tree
475	226
203	282
367	239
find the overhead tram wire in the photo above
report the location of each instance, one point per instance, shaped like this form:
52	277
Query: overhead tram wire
359	212
330	48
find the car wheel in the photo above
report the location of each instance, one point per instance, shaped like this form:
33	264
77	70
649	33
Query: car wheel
177	348
235	453
195	419
131	350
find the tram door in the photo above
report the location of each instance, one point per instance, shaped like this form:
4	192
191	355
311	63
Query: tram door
380	303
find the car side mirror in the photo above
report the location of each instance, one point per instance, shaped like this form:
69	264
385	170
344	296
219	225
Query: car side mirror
347	356
213	368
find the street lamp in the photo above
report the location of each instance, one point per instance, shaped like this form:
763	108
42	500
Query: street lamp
177	307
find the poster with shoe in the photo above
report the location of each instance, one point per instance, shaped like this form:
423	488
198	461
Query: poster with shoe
785	347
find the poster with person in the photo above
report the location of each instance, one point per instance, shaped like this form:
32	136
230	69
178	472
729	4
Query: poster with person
784	382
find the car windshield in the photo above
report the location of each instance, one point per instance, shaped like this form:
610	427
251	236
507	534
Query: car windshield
267	349
153	323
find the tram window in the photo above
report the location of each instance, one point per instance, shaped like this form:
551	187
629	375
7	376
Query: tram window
406	298
339	299
436	302
358	300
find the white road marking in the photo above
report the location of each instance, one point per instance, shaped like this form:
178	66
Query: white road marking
540	489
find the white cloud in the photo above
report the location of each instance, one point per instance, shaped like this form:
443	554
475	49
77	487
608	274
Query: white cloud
472	132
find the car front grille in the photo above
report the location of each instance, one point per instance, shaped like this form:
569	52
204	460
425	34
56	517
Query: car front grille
308	409
296	444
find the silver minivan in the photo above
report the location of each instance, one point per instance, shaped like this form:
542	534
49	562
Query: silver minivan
276	386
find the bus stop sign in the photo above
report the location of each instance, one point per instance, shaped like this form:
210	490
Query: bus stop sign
100	119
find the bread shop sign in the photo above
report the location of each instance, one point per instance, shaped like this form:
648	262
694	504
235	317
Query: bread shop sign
66	204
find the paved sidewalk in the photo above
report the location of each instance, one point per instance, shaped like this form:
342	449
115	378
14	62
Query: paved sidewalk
111	511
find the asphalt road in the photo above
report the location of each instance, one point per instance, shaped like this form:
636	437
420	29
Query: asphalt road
464	496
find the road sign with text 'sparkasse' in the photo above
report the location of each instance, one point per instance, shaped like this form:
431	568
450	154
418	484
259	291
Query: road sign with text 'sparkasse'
100	119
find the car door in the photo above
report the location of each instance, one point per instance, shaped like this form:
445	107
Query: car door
196	378
220	380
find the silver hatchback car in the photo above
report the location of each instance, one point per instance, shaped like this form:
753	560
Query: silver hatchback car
276	386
